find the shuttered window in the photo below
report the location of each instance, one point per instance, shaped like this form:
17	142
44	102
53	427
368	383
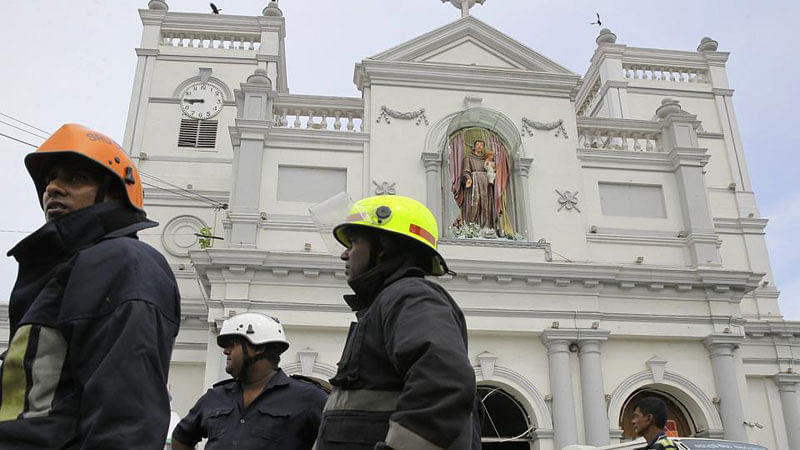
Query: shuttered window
196	133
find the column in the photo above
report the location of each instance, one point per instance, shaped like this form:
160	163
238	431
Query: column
215	361
249	135
787	388
565	425
433	183
721	351
595	416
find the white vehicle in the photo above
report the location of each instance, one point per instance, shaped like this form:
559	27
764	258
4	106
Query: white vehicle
685	443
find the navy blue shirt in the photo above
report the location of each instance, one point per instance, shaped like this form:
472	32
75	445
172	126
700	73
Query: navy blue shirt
285	416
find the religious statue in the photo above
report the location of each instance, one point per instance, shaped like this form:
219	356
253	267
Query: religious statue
479	170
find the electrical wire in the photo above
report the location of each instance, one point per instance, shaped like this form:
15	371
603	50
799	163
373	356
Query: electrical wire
18	140
22	129
216	203
25	123
178	192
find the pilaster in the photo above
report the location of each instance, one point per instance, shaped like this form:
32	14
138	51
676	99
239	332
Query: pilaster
249	135
790	403
721	349
433	177
679	139
522	169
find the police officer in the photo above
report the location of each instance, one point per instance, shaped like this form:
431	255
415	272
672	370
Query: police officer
260	407
649	418
404	380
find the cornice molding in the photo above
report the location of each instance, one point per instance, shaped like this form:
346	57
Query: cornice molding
461	77
328	140
147	52
653	161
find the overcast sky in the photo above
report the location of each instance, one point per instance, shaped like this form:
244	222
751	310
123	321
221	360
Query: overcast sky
68	61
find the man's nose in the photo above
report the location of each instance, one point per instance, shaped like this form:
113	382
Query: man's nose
54	187
345	255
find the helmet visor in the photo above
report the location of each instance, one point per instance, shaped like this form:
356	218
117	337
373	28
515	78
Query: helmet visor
332	213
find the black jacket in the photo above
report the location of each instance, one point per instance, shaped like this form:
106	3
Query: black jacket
94	314
285	416
404	377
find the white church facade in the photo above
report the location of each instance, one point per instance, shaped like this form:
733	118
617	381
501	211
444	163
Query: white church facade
625	255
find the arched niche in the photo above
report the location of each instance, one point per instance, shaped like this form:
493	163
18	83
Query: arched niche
697	404
436	150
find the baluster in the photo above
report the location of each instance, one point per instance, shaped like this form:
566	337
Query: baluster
296	123
350	124
337	124
637	147
284	117
624	138
649	146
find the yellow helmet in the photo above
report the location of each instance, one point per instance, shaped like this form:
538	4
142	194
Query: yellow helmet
398	215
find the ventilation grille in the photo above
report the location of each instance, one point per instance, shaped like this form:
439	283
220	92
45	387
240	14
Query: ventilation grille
197	133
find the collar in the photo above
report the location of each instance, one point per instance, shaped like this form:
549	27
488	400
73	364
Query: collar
369	284
659	436
74	231
279	379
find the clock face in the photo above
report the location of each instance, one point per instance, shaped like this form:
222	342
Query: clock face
201	100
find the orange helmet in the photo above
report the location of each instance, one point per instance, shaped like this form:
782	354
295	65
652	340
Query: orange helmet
73	139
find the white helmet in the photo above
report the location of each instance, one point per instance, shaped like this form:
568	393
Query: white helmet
256	328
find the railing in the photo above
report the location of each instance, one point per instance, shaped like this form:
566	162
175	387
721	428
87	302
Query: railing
211	40
619	134
591	99
664	73
319	113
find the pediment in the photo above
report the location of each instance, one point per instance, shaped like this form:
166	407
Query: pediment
470	42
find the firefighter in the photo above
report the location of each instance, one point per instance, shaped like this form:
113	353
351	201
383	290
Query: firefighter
94	311
260	407
404	380
649	418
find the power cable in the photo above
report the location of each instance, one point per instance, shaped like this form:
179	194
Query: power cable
216	203
178	192
22	129
25	123
18	140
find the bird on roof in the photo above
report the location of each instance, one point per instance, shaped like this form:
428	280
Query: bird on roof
598	23
214	8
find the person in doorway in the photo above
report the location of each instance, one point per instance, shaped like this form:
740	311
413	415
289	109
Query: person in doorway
260	407
404	380
94	311
649	418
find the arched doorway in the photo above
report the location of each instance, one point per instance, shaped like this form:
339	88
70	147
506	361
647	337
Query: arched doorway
679	422
506	425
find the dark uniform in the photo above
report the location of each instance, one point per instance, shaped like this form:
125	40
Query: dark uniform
94	314
662	442
404	377
285	416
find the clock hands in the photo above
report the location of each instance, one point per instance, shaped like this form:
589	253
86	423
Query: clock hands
192	101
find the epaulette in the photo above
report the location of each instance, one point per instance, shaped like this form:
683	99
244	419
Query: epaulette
224	382
308	380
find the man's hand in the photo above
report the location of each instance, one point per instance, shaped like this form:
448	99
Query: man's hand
468	183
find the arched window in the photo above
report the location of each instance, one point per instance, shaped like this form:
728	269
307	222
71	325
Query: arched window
505	424
679	422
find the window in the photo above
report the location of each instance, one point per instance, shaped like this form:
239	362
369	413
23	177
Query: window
505	423
197	133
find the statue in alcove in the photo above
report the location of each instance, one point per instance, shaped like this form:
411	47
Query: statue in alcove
479	170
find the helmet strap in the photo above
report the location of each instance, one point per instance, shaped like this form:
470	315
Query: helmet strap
102	190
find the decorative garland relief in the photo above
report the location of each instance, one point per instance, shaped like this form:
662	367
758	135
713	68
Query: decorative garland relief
387	113
529	125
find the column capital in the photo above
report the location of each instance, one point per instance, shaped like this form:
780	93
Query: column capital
719	344
432	161
524	166
786	382
558	341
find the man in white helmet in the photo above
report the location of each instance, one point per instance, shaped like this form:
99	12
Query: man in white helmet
260	407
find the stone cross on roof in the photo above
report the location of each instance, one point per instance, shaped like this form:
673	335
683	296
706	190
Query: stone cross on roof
464	5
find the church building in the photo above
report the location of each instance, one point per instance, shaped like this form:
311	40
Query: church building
602	226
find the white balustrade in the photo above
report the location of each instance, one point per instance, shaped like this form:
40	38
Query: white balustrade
210	41
664	73
330	118
591	99
619	134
